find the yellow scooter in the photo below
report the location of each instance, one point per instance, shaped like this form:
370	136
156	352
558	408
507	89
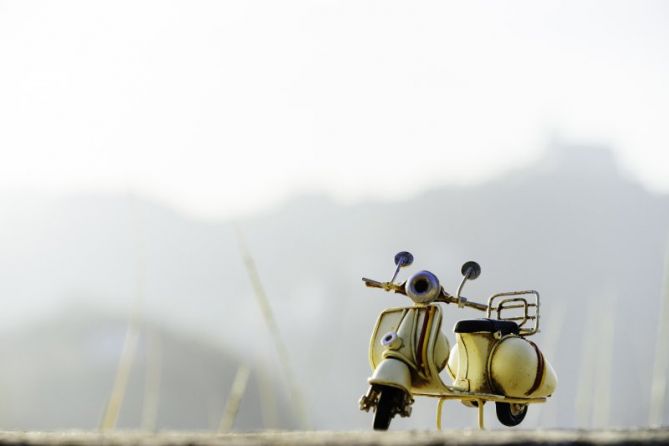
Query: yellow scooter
492	359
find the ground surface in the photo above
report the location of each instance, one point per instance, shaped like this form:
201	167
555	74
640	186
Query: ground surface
413	438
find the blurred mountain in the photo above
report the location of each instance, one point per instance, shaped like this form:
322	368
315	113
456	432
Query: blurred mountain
58	374
572	226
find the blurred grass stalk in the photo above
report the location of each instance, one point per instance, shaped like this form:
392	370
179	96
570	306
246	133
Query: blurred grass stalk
270	321
152	381
601	416
113	408
270	417
658	388
593	395
235	399
584	394
115	402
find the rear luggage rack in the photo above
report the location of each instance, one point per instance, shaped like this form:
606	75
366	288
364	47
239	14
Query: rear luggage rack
521	311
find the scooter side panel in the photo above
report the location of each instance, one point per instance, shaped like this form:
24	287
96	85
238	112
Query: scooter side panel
473	350
441	348
453	362
518	369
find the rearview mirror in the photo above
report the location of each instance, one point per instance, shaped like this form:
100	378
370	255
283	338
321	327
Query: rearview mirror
471	270
403	258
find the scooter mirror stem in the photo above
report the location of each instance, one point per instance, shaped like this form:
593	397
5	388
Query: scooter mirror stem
461	300
402	259
397	270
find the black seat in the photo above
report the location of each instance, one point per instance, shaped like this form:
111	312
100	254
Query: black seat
486	325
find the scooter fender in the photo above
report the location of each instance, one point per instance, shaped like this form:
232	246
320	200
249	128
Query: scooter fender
392	372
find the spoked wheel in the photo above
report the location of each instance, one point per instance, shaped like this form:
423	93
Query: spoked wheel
510	414
390	400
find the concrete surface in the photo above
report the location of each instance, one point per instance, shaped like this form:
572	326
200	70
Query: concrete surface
413	438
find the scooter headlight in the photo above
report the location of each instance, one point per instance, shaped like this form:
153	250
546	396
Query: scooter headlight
423	287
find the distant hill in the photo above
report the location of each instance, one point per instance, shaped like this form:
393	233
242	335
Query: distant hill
572	226
59	374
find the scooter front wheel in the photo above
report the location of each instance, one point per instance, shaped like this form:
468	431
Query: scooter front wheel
511	414
386	408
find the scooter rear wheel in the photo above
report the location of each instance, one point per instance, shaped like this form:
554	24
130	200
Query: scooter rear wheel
389	400
511	414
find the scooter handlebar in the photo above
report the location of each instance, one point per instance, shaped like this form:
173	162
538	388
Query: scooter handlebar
463	302
387	286
443	296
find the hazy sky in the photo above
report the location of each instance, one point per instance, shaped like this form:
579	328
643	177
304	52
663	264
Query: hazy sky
226	107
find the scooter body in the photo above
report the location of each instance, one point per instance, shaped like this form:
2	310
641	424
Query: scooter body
491	361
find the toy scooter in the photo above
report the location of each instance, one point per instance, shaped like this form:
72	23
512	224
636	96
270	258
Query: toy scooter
492	359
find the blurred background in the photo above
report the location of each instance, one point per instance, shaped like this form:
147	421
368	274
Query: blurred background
140	142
